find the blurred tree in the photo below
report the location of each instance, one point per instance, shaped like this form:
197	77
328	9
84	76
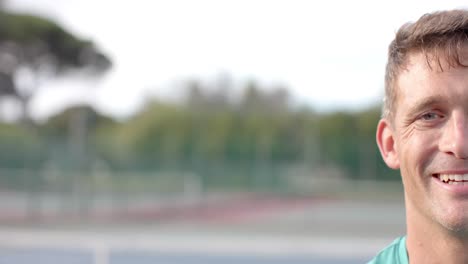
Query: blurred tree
252	98
58	125
279	99
17	147
274	100
195	95
204	98
72	135
338	131
33	49
261	131
220	97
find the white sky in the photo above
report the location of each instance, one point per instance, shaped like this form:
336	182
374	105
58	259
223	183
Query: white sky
329	53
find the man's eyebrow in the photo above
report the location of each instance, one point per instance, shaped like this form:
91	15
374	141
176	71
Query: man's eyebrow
425	103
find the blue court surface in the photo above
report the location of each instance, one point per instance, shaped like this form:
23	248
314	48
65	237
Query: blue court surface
52	256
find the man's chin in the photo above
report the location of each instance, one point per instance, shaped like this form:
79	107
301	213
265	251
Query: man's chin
457	226
452	214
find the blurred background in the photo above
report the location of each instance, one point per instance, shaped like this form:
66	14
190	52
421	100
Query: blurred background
196	131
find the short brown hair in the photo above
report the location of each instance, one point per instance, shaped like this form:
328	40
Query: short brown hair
438	35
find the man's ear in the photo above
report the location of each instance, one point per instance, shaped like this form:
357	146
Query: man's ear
386	142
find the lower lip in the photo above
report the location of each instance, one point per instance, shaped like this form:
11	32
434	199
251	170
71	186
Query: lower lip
457	189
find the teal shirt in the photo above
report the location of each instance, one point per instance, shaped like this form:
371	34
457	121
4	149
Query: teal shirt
395	253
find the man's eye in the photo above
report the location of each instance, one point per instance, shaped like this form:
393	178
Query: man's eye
430	116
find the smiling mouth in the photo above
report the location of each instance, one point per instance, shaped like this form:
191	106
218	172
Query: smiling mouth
457	179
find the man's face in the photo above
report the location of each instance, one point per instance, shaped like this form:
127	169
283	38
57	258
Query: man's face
428	141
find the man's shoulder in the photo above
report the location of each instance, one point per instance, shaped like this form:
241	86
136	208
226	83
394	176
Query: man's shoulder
394	253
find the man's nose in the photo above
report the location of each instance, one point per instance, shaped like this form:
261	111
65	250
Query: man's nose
455	137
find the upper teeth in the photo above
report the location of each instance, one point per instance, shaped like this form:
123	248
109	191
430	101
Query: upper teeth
453	177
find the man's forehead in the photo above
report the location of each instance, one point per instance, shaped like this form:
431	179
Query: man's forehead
439	59
419	78
419	65
416	68
417	75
